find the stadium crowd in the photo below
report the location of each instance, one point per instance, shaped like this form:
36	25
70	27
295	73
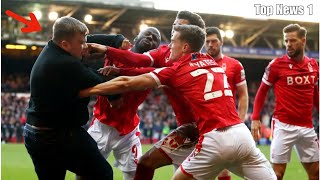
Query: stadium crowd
157	118
16	82
13	116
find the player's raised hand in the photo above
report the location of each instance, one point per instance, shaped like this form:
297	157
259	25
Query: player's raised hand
109	70
90	53
126	44
94	56
96	48
255	129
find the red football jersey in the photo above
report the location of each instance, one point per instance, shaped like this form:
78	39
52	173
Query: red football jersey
125	118
203	83
160	56
157	58
184	113
294	84
234	71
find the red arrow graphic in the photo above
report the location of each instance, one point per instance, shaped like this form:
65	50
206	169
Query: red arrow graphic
31	25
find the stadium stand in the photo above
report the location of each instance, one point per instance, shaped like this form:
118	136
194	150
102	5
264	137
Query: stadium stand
156	115
255	43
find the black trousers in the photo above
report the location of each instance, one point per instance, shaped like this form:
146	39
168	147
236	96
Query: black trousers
55	151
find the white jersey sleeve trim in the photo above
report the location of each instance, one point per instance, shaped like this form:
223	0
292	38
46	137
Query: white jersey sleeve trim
241	83
151	58
266	82
155	77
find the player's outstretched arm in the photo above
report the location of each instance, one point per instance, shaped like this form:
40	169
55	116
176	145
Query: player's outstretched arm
257	107
123	56
130	58
115	41
135	71
243	101
120	85
132	71
109	70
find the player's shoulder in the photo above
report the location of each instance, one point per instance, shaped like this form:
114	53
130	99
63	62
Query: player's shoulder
159	53
194	57
232	61
193	61
176	65
185	62
281	59
228	58
161	48
164	46
312	60
278	60
202	56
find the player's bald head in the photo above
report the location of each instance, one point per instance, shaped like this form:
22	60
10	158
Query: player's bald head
151	29
147	40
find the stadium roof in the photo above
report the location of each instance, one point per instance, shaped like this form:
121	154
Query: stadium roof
125	18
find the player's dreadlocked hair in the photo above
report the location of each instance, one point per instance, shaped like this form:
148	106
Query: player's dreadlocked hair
193	18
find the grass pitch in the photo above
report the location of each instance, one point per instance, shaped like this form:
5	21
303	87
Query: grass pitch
17	165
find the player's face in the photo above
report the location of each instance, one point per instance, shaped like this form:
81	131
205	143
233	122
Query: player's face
176	47
294	44
76	45
148	40
213	45
179	22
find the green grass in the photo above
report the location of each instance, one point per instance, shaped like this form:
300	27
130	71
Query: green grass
17	165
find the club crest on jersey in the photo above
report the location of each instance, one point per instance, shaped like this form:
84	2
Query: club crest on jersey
194	56
310	67
224	66
290	66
